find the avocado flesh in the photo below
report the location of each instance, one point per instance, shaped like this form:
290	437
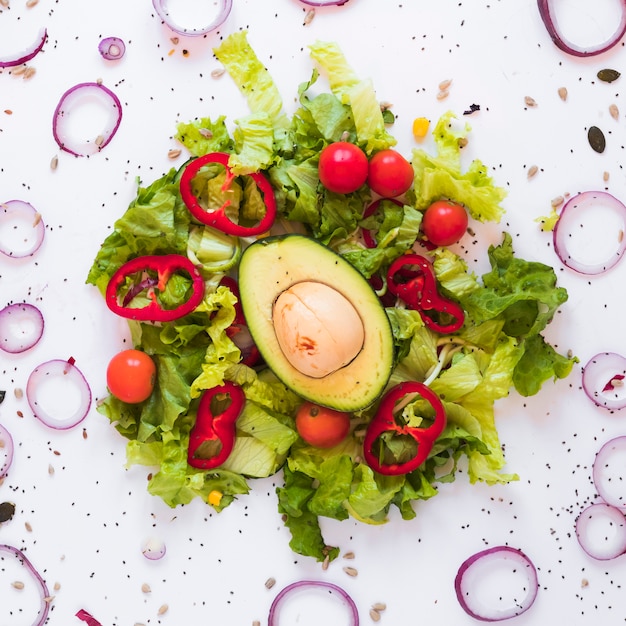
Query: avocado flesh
270	267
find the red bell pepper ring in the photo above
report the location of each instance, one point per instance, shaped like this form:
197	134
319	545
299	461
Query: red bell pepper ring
212	437
412	279
164	266
385	421
218	218
238	330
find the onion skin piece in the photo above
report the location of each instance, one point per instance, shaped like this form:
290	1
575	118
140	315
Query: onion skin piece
44	608
160	6
87	617
7	448
545	11
32	51
274	614
494	553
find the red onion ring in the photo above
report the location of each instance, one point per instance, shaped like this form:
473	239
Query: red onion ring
21	327
547	15
70	103
44	606
587	214
6	451
69	387
313	588
601	531
153	549
163	11
22	230
602	380
88	618
112	48
496	584
609	469
27	54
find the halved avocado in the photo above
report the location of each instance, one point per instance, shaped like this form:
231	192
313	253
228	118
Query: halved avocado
316	321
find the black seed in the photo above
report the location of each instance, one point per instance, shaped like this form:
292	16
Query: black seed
608	76
2	395
596	139
7	509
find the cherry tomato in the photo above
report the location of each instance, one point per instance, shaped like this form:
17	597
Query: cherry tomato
390	174
342	167
131	375
322	427
444	222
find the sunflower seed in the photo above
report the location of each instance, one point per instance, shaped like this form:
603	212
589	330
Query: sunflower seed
530	102
173	154
309	17
563	93
351	571
614	111
532	170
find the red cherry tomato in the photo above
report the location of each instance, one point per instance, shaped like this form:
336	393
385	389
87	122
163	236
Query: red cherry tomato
322	427
444	222
342	167
131	375
390	174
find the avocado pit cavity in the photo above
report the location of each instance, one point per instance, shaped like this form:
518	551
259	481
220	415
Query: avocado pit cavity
317	328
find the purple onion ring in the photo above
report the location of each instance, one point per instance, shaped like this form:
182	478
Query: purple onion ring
112	48
312	586
162	9
609	469
22	230
85	93
549	20
21	327
603	380
44	606
27	54
482	574
58	373
599	207
153	549
6	451
601	531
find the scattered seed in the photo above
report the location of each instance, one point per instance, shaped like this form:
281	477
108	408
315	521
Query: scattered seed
462	142
19	393
326	562
31	3
85	435
29	72
256	623
605	177
444	85
174	153
50	470
4	3
620	237
36	221
530	102
379	606
163	609
351	571
28	527
596	139
374	615
348	555
54	162
532	170
614	111
584	582
57	586
563	93
443	94
270	582
145	588
218	72
617	382
175	40
205	132
17	584
19	70
556	202
385	105
309	17
7	510
48	599
99	140
608	75
8	111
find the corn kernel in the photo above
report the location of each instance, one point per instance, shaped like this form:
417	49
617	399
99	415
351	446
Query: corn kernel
420	127
215	497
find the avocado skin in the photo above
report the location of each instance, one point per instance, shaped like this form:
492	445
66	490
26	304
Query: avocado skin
271	265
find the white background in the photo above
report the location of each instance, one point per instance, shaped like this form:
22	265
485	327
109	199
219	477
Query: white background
89	518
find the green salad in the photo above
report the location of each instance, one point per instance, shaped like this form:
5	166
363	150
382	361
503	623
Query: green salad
499	348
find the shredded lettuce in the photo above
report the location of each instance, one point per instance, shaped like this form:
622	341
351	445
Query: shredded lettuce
500	347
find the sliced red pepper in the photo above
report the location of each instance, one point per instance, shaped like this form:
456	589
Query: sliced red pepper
385	421
213	435
238	330
412	279
218	218
164	266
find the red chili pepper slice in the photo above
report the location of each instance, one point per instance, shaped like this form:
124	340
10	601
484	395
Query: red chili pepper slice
213	435
164	266
218	218
412	279
238	330
385	422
